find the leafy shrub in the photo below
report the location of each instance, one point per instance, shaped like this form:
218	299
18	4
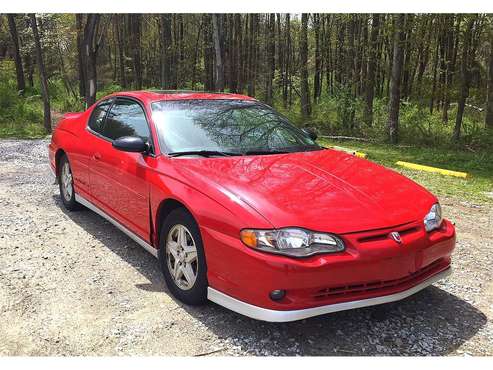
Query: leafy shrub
19	116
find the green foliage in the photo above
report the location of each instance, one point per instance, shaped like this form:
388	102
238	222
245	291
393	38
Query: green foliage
19	116
342	114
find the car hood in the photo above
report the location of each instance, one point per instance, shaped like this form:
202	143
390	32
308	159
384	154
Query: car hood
325	190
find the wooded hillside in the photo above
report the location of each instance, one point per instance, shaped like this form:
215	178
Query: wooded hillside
423	78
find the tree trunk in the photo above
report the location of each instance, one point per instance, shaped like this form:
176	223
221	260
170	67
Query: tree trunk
305	88
489	101
89	52
465	78
287	61
196	54
395	93
271	57
120	28
19	70
80	57
42	74
372	56
208	53
433	89
449	61
217	29
166	51
136	50
28	60
318	59
329	65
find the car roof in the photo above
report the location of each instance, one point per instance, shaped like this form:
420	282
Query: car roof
150	96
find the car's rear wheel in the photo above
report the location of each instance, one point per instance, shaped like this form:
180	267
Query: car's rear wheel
182	258
66	184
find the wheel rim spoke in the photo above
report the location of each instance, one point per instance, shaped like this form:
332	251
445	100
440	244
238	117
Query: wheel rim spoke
172	248
191	257
176	270
188	274
182	237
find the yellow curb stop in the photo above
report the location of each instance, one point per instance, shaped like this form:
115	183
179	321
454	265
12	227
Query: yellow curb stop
420	167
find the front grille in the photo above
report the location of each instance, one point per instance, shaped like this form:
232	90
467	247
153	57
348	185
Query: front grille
344	291
385	235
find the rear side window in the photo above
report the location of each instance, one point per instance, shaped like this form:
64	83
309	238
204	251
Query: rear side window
96	121
126	118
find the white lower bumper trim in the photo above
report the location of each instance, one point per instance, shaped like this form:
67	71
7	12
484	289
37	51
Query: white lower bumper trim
265	314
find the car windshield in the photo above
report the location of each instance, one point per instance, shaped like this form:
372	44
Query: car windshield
226	127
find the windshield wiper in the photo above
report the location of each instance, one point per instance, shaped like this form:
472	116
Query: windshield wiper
203	153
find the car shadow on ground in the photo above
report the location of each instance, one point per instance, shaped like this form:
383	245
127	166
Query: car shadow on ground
432	322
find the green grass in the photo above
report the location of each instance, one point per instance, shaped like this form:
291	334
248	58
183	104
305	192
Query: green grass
24	131
478	164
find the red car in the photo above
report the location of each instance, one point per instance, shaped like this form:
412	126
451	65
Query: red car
246	210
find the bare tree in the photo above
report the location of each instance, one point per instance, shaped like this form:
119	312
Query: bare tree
19	70
271	57
217	29
372	58
489	100
395	83
42	73
305	89
465	77
89	53
317	78
119	30
79	25
135	27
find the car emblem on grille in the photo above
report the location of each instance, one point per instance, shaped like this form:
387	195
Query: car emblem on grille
396	236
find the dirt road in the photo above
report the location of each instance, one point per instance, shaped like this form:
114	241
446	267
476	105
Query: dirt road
72	284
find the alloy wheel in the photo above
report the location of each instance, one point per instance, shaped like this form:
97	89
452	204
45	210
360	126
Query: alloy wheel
67	182
181	256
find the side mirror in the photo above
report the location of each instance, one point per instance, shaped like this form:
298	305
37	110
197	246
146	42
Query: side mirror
132	144
310	132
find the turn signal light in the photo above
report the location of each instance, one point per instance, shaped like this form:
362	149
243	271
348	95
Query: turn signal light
249	238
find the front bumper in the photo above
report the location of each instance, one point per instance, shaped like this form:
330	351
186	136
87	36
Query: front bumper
372	270
265	314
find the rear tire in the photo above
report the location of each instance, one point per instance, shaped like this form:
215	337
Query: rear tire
182	259
66	185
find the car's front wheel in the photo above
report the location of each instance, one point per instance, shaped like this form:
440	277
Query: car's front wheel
182	258
66	184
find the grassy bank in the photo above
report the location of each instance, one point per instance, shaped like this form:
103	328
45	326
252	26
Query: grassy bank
478	188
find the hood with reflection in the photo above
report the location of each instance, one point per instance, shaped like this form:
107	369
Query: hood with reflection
323	190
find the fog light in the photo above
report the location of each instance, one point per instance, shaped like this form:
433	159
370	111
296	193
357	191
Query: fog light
277	295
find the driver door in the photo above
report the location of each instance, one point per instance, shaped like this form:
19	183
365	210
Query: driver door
118	179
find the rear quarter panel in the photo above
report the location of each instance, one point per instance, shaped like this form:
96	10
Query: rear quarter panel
71	137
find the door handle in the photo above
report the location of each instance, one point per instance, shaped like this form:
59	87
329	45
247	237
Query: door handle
96	156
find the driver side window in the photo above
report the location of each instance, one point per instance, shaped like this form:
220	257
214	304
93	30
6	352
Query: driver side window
126	118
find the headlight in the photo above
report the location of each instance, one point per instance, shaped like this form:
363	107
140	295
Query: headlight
433	220
291	241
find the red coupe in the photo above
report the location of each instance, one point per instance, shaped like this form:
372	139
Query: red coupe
247	210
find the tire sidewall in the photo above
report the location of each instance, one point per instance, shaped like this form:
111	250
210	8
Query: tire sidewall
198	293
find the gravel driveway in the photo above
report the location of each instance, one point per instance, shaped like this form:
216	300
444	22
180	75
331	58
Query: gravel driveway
72	284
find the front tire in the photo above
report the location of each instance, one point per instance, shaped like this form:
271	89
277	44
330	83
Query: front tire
66	185
182	259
